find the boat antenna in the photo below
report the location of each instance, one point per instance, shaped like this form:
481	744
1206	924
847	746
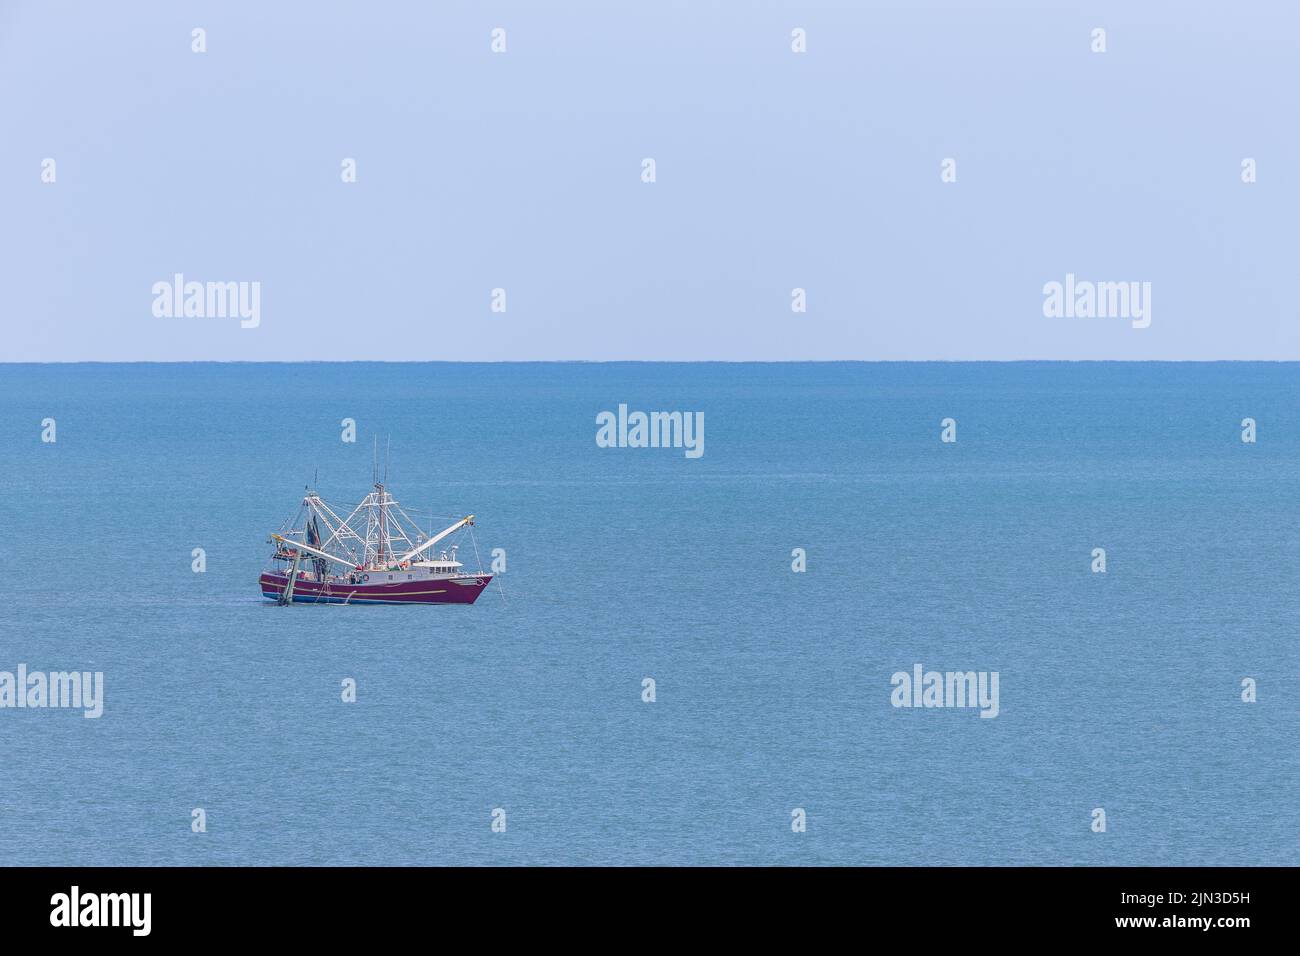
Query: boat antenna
374	468
388	454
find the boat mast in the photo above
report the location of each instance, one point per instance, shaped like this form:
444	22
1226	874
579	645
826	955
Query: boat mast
383	546
384	498
383	522
375	524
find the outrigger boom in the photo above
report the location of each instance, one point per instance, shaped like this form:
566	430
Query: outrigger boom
298	545
436	538
402	560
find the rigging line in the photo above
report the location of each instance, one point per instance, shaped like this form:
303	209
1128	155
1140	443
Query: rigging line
479	559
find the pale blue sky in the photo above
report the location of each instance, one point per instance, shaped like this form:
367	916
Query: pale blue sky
522	171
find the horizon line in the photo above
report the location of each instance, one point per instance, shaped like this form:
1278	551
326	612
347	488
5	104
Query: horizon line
1016	361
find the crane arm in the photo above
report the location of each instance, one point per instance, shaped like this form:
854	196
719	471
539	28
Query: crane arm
436	538
310	550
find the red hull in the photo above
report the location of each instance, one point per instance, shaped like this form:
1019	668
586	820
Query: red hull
460	590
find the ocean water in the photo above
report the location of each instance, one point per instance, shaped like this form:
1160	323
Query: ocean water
1119	691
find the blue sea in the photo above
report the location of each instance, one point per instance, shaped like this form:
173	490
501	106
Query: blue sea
1119	691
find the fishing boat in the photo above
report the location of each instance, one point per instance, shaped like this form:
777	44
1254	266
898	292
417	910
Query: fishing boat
376	555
